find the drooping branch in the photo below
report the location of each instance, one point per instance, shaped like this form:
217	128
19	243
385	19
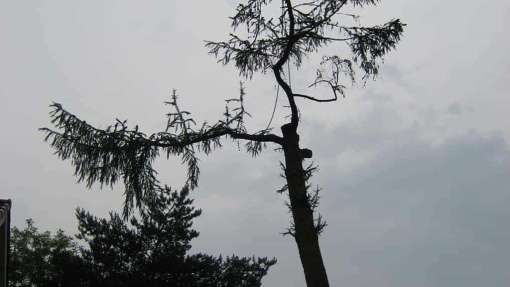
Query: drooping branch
118	153
370	44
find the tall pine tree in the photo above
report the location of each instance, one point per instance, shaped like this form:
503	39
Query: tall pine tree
258	43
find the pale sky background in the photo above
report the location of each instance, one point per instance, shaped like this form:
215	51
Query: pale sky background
415	166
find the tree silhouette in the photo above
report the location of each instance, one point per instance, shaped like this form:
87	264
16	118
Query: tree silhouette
150	250
44	259
265	44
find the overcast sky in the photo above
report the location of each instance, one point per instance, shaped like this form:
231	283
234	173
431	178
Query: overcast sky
415	166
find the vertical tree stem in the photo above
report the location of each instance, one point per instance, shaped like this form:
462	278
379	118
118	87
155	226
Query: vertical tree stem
305	234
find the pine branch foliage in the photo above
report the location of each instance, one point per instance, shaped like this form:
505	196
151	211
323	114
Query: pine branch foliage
301	29
119	153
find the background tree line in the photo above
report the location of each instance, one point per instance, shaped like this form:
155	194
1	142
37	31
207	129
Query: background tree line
150	249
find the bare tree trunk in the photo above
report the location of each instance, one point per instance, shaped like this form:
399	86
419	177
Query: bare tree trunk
305	233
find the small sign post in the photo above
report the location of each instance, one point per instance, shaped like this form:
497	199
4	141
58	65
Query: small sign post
5	232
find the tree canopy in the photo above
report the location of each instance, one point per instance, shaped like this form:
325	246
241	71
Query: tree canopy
149	250
44	259
121	153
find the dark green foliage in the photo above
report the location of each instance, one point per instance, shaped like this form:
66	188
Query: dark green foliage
105	156
43	259
301	29
118	153
368	45
150	250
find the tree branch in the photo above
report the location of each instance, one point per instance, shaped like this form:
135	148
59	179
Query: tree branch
258	137
315	99
277	68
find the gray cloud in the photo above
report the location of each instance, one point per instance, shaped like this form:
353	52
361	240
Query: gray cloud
414	213
414	166
424	215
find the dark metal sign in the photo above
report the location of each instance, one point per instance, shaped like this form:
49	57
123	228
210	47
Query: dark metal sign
5	229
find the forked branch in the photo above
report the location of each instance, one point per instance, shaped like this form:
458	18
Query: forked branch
300	30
